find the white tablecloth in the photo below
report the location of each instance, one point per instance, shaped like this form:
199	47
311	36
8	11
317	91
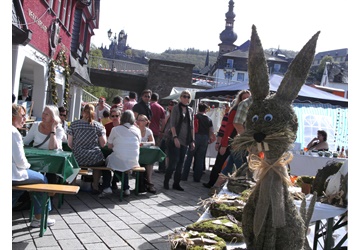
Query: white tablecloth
309	165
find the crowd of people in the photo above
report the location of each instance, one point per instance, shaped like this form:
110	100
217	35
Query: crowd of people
179	131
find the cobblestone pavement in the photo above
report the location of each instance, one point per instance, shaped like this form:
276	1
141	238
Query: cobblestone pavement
85	221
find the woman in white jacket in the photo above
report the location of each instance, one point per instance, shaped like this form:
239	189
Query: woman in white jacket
21	172
125	141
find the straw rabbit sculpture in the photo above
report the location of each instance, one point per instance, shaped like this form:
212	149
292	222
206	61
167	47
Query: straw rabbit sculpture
270	218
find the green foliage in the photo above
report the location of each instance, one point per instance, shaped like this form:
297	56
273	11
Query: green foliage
190	55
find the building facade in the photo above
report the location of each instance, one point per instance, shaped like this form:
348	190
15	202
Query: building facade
50	45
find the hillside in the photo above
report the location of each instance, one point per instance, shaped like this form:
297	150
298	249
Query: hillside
193	56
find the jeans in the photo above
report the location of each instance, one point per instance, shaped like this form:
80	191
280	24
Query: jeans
199	153
219	162
237	159
176	161
34	177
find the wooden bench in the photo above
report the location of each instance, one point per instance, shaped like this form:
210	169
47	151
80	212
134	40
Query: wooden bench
136	169
48	190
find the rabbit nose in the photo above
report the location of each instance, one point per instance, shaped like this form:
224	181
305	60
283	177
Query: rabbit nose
259	137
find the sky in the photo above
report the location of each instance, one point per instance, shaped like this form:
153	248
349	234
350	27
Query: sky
158	25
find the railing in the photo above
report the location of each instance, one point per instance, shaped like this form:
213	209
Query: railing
119	66
89	98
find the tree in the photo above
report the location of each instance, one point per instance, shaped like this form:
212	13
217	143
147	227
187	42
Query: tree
321	67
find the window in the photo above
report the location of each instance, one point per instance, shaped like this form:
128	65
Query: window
67	25
230	63
63	12
58	9
277	67
240	77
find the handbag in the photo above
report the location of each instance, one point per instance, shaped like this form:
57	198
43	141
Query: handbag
47	138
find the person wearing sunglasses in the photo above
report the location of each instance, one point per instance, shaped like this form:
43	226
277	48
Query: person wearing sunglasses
147	139
115	115
182	136
64	123
143	106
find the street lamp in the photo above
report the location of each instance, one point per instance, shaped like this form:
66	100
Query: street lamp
229	72
113	42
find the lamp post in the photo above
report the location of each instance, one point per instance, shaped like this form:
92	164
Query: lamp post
113	42
229	72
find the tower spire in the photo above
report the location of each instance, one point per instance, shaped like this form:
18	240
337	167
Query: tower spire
228	36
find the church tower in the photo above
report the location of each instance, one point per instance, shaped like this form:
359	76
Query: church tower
228	36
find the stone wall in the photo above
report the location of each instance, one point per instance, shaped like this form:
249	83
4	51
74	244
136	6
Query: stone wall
164	75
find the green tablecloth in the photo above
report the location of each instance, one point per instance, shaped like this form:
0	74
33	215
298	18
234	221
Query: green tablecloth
148	155
57	162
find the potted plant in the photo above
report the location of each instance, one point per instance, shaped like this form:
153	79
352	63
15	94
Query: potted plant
305	182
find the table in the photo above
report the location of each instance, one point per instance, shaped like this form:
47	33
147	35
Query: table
148	155
321	212
309	165
324	212
57	162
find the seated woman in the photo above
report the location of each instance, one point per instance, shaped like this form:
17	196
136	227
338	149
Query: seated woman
47	134
86	137
319	142
21	172
125	141
147	139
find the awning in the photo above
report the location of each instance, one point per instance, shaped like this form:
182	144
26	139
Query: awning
80	73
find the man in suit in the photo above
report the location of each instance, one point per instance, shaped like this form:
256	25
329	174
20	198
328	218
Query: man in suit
25	95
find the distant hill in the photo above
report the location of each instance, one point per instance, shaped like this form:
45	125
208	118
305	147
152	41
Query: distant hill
193	56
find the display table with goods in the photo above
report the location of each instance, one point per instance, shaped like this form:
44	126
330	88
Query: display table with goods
309	164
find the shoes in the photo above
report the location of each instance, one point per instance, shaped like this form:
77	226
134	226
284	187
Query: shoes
177	187
151	189
114	186
207	185
105	192
94	191
36	223
142	190
166	185
127	192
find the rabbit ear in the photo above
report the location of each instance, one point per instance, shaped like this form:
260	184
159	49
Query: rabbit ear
297	72
257	68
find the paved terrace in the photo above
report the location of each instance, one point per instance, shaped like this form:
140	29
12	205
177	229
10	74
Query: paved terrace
138	222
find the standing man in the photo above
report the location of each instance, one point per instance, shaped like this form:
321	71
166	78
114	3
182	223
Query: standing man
204	135
130	104
64	124
25	95
100	109
143	106
158	117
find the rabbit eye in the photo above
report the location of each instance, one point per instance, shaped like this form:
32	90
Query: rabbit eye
255	118
268	117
